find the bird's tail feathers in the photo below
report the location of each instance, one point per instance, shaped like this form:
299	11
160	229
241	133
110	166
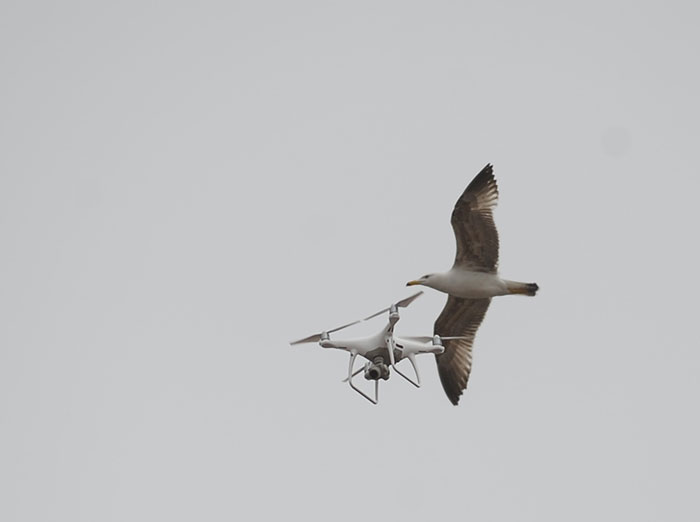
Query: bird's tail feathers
515	287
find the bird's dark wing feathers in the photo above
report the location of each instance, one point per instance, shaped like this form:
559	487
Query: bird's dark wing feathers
472	221
460	317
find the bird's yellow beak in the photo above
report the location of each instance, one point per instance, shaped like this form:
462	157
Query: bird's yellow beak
412	283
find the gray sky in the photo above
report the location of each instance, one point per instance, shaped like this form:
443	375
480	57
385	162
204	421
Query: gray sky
186	187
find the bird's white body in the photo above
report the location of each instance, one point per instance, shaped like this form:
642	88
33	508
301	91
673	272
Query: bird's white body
461	282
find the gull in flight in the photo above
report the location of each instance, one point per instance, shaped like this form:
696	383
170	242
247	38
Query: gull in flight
471	282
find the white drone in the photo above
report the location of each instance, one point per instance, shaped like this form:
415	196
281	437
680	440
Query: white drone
382	350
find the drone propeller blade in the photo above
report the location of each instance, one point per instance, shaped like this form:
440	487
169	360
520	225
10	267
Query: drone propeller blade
317	337
401	304
344	326
380	312
429	339
405	302
310	339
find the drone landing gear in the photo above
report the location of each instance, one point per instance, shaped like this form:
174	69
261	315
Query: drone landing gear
412	359
353	356
378	370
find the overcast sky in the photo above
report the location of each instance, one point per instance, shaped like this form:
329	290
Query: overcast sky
186	187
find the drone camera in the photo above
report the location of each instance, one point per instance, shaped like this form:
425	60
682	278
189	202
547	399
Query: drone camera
377	370
373	373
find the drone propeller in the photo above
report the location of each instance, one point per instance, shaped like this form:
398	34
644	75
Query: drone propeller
401	304
317	337
429	339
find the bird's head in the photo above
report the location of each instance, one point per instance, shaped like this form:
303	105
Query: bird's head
421	281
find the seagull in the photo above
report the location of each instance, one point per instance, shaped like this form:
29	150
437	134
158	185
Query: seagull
471	282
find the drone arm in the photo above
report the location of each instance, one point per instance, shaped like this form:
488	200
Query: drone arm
413	347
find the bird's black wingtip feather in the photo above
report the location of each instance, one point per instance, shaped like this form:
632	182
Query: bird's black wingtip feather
453	393
483	182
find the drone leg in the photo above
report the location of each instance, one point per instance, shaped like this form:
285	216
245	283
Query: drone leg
353	355
390	349
412	359
356	372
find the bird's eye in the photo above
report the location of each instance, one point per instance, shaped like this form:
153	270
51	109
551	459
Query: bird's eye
425	276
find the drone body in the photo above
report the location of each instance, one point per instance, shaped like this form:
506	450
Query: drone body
383	351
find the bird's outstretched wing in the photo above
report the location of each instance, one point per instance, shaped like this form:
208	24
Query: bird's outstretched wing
472	221
460	317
